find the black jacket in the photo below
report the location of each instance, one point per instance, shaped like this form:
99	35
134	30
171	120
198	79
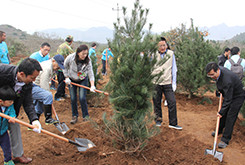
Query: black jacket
221	60
24	97
230	86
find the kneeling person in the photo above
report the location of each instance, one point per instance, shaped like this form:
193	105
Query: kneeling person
42	97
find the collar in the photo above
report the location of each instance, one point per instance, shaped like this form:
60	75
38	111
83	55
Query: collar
41	53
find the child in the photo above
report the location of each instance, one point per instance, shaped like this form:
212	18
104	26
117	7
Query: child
7	96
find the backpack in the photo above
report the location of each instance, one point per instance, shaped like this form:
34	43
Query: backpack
237	68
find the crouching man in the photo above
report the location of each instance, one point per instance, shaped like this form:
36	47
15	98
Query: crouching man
42	97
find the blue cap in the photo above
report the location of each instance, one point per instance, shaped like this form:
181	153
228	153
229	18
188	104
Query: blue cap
60	60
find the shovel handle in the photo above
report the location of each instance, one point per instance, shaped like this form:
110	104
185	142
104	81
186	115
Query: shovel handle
96	90
218	119
32	126
54	111
57	82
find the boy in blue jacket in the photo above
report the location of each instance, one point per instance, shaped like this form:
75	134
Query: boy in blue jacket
7	96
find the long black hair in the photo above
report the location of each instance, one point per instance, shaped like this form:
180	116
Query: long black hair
80	49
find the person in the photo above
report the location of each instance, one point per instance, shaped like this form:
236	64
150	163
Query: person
7	96
64	49
105	58
20	78
43	53
4	53
231	88
236	58
42	97
78	68
223	57
165	84
92	50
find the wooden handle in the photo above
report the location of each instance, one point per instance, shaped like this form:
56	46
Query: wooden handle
218	119
105	93
58	83
32	126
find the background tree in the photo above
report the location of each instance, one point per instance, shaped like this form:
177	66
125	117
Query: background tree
130	82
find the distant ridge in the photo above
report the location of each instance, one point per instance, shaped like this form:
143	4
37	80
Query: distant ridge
95	34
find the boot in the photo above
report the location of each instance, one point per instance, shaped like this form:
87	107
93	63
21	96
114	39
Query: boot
48	115
73	120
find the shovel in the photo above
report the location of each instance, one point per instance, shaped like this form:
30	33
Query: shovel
96	90
216	154
81	144
62	127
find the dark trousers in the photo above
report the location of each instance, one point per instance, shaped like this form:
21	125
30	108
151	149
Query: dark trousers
227	121
61	87
103	66
157	101
5	145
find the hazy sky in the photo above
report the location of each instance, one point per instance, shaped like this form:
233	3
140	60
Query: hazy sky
34	15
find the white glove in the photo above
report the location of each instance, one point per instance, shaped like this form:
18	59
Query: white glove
37	124
92	89
174	87
68	81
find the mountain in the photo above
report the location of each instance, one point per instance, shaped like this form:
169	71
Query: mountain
95	34
223	32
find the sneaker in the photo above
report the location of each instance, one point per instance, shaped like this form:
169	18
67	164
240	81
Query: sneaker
213	133
50	121
53	88
158	124
59	99
9	162
73	120
66	96
222	144
175	127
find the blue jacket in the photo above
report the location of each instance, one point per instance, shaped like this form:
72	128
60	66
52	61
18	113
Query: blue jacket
108	52
4	124
92	52
39	57
4	53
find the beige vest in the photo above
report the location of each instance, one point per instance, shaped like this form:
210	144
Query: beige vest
166	77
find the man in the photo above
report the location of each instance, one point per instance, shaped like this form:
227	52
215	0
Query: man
42	97
230	86
222	58
43	53
236	59
64	49
166	84
105	59
92	50
4	53
20	79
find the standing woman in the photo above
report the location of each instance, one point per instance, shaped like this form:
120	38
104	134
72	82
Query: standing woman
78	68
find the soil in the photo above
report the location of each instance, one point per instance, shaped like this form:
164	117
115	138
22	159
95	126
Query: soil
168	147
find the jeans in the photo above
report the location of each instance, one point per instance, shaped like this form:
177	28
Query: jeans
15	140
82	97
5	145
61	87
104	66
157	100
41	97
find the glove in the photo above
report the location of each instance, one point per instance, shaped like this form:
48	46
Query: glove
37	124
92	89
174	87
68	81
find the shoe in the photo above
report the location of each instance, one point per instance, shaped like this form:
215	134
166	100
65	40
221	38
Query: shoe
50	121
222	144
53	88
66	96
59	99
73	120
175	127
9	162
158	124
23	159
213	133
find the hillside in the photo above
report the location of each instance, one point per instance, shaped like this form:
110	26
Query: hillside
31	43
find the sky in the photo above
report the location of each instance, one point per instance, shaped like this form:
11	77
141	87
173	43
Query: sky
37	15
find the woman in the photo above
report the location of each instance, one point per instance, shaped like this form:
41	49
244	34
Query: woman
78	68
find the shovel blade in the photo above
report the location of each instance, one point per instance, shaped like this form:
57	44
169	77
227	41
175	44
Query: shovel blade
84	144
216	154
62	127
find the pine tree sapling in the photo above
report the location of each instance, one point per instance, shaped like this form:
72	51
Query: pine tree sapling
130	82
